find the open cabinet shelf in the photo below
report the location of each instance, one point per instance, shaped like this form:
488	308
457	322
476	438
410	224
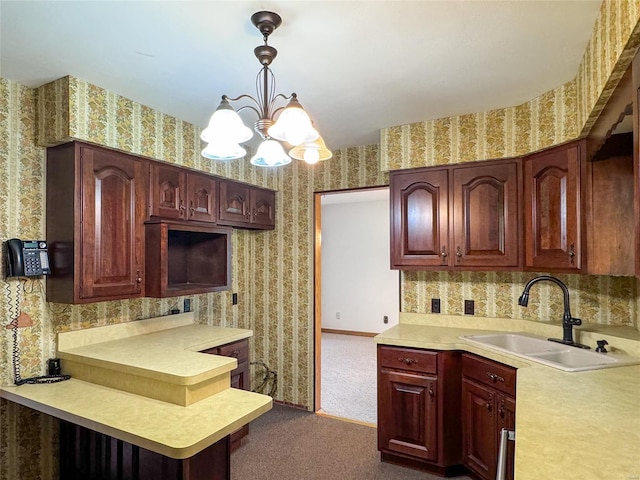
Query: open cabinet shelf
186	259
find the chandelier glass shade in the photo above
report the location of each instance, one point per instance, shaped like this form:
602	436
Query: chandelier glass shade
270	154
311	152
221	150
226	131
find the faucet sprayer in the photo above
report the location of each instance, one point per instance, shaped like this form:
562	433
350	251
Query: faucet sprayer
567	320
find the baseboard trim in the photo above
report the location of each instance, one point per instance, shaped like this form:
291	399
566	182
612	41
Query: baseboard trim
348	332
292	405
320	413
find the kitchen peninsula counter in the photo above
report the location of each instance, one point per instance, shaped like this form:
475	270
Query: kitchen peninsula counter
158	354
569	425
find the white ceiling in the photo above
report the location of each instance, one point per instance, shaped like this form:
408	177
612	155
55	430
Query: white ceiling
357	66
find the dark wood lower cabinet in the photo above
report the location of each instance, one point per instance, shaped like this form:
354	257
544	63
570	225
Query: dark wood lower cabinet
488	406
239	377
419	409
85	454
442	411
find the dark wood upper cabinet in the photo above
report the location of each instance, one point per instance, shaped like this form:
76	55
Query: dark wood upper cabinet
179	194
420	218
202	197
186	259
246	206
486	212
95	210
553	209
464	216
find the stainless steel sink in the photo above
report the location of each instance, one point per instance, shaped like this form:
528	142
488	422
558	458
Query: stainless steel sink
537	349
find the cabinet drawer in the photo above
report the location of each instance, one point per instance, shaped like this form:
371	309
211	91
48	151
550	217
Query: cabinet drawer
239	350
499	376
408	359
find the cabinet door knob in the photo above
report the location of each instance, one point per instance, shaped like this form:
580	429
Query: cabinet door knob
444	254
138	280
432	393
181	207
572	252
489	405
458	253
501	410
235	353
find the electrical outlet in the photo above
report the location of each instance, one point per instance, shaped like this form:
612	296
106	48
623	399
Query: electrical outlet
469	307
385	319
337	315
435	305
234	299
187	305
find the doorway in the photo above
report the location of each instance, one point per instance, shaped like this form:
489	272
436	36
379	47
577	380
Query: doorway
356	297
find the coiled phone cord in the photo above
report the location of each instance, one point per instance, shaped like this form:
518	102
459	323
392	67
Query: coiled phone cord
14	309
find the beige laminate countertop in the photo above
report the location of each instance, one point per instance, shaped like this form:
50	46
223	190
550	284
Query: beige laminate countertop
569	425
165	428
163	350
169	353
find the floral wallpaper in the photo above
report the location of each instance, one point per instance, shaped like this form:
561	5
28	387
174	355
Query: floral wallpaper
28	440
594	298
273	271
560	115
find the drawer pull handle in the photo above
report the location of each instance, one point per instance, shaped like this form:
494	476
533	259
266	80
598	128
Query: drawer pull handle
407	360
235	353
494	377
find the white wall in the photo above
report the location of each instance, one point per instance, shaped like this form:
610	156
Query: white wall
357	283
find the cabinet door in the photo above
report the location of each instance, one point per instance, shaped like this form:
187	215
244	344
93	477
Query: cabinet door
479	429
234	208
201	195
506	406
112	225
485	215
552	209
419	218
167	191
263	208
407	414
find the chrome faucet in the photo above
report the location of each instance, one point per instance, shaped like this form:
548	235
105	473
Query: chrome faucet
567	320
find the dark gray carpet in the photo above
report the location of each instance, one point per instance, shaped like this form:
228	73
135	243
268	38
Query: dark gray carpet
291	444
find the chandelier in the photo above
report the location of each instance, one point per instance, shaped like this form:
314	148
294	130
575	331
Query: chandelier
226	131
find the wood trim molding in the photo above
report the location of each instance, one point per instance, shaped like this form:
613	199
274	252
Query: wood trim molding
317	295
349	332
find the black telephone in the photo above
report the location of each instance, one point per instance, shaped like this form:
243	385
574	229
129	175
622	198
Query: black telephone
26	258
